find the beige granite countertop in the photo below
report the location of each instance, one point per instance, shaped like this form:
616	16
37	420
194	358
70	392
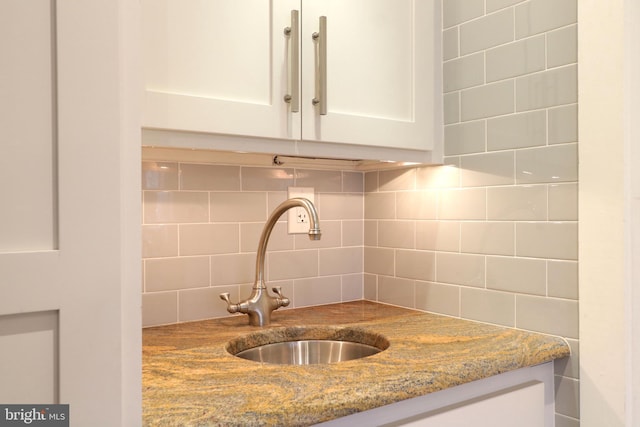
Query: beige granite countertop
189	378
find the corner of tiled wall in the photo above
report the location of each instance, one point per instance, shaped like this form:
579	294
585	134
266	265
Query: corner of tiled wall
492	236
202	223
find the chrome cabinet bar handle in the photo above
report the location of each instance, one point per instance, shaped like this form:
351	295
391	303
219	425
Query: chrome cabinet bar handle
321	87
293	98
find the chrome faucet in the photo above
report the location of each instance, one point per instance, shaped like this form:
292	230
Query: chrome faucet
260	304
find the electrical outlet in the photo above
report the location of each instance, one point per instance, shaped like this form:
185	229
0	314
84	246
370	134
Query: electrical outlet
298	218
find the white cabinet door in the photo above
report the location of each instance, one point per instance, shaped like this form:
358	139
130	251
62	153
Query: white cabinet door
524	397
382	72
217	66
69	223
521	406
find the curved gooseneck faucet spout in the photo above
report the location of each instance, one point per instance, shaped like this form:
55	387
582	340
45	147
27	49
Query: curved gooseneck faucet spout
260	304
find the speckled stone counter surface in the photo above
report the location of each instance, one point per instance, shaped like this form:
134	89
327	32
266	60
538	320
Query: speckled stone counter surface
190	379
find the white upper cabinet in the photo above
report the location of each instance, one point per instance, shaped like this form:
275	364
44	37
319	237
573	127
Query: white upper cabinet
381	78
215	66
225	67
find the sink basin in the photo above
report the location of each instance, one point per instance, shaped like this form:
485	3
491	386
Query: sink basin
307	345
308	352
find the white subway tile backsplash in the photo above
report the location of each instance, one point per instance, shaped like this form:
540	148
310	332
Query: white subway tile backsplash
392	290
517	203
517	131
516	59
463	204
550	88
562	46
266	179
370	287
555	240
397	179
320	180
274	198
352	182
552	164
490	100
460	269
450	43
464	72
352	287
209	177
175	207
562	279
563	124
209	239
519	275
370	233
487	169
316	291
437	298
292	264
205	232
339	206
547	315
165	274
159	308
438	177
371	181
564	421
537	16
438	235
379	261
493	5
160	176
396	234
567	396
159	240
494	238
238	206
380	206
419	265
563	202
337	261
196	304
487	306
417	204
233	269
465	138
489	31
451	107
457	11
353	233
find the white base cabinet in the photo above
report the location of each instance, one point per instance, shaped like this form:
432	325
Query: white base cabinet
523	398
222	68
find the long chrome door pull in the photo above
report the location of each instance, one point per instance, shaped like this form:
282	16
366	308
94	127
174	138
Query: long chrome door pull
293	97
321	86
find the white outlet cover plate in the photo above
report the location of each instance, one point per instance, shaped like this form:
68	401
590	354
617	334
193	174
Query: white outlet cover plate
297	218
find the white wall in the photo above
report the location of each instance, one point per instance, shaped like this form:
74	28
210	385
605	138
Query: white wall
607	35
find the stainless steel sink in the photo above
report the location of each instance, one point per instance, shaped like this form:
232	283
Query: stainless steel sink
306	346
308	352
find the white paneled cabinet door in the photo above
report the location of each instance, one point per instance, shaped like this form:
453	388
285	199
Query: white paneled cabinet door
381	74
69	222
217	66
